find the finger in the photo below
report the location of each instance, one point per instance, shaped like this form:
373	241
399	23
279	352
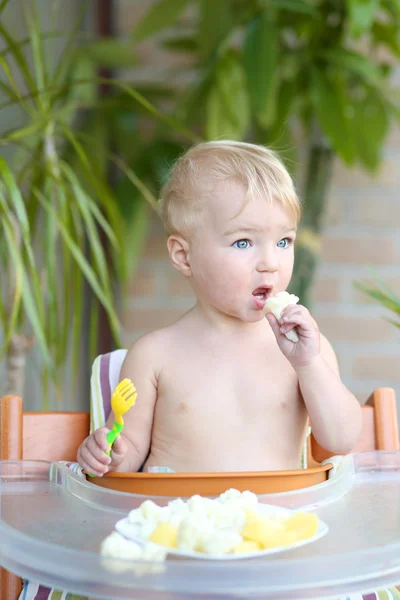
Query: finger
119	446
100	435
97	451
89	471
274	324
300	323
95	462
288	315
89	464
298	318
292	309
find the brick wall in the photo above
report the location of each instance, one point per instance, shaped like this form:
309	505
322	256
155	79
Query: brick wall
361	231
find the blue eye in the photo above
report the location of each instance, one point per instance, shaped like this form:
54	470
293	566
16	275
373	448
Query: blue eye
242	244
284	243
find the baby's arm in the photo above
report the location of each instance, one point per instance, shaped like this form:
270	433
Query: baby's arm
130	449
335	414
139	366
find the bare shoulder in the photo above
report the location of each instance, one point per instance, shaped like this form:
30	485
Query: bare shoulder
147	352
328	353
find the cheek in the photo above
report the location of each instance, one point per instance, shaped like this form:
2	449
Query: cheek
286	266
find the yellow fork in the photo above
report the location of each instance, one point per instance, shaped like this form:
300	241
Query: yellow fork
122	399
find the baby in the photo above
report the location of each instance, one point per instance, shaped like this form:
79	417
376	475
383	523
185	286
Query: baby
223	388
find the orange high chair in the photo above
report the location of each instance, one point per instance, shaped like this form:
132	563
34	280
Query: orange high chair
54	436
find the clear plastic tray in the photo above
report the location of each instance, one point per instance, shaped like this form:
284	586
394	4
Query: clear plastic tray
52	523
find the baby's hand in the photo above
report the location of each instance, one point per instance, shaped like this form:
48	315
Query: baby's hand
307	348
92	453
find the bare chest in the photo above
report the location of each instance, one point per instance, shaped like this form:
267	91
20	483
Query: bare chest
243	387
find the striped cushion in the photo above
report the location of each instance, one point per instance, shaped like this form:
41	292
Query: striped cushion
105	377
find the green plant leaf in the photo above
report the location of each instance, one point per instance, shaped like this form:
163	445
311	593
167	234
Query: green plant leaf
388	35
228	106
17	54
96	249
370	125
361	15
294	6
91	206
260	58
10	312
10	78
287	95
110	52
181	44
51	287
64	62
329	105
17	200
104	295
99	184
27	299
160	16
356	63
380	292
215	22
77	298
3	5
9	90
136	182
13	91
19	133
38	56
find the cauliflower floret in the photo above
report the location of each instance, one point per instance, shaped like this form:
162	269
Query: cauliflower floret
136	516
196	504
178	510
249	499
217	543
150	510
227	516
229	496
244	499
116	546
276	304
192	532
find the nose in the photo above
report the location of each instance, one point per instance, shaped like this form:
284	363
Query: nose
268	260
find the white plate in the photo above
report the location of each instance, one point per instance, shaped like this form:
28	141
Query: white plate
131	531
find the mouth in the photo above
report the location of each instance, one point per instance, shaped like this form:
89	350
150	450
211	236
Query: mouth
260	296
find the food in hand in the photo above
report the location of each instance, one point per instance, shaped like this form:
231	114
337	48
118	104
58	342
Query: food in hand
276	304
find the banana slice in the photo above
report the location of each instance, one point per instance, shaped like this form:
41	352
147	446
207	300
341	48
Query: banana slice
276	304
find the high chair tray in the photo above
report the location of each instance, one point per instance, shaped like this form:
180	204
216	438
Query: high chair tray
52	523
188	484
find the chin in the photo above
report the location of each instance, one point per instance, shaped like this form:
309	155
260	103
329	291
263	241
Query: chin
254	317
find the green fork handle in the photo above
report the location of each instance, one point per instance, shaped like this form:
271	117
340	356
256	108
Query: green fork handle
113	434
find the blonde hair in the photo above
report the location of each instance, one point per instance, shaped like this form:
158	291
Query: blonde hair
196	173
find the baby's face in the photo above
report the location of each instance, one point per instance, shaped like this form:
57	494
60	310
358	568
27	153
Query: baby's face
241	256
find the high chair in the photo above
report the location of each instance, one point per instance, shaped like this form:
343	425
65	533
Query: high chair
54	436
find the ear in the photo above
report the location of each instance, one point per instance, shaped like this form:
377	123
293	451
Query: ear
178	249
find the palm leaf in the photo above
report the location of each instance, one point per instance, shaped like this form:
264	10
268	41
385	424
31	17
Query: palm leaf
15	50
380	293
28	300
104	295
12	305
92	207
36	43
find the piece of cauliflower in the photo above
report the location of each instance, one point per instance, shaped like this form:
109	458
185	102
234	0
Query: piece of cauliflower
276	304
116	546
